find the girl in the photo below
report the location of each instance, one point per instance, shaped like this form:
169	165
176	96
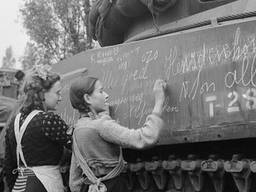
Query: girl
35	136
97	139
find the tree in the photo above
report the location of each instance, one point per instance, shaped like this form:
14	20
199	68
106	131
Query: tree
58	26
8	60
33	55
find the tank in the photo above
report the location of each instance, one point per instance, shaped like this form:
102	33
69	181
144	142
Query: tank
10	80
206	51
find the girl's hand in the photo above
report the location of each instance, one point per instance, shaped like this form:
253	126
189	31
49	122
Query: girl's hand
159	90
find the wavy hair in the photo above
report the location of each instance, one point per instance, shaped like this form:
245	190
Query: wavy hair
33	89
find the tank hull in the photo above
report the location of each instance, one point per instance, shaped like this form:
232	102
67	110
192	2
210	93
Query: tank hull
207	58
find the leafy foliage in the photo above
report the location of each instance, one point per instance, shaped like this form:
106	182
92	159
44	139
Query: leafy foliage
58	27
34	55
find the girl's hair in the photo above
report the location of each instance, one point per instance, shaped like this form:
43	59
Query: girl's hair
37	81
83	85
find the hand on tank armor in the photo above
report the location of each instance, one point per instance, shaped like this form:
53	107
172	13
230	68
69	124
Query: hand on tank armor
159	91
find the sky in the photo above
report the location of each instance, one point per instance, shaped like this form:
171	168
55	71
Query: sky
11	31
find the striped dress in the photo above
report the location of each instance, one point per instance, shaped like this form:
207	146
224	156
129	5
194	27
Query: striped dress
24	173
24	177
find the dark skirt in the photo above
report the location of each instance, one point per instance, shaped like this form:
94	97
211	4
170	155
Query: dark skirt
117	184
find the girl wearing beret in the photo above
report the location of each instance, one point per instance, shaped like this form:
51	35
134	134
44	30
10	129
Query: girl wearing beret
35	136
97	159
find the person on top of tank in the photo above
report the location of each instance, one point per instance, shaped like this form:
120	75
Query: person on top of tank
35	135
97	159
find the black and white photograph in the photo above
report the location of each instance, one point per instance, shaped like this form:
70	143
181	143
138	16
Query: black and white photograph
128	96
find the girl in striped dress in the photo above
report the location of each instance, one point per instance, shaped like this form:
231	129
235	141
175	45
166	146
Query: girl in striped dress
35	137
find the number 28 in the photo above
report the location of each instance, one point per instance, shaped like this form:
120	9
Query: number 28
233	105
249	96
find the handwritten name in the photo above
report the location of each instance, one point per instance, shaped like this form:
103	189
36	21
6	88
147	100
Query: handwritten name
177	64
104	56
